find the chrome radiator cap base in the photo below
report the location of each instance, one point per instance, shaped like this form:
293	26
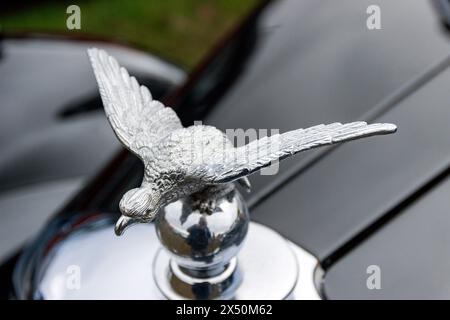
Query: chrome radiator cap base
266	268
101	260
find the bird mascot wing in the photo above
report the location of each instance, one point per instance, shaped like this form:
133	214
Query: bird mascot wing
137	120
260	153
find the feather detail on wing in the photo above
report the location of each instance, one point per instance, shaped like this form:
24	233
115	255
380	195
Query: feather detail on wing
260	153
137	120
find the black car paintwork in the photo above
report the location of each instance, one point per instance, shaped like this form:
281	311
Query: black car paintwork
410	253
298	63
359	182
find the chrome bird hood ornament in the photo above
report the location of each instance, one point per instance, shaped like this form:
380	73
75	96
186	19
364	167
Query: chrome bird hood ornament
183	161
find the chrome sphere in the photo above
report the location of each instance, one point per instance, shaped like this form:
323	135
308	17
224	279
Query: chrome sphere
203	235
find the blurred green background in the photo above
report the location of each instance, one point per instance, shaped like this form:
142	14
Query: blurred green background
179	30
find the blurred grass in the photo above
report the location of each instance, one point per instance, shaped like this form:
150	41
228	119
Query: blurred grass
178	30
